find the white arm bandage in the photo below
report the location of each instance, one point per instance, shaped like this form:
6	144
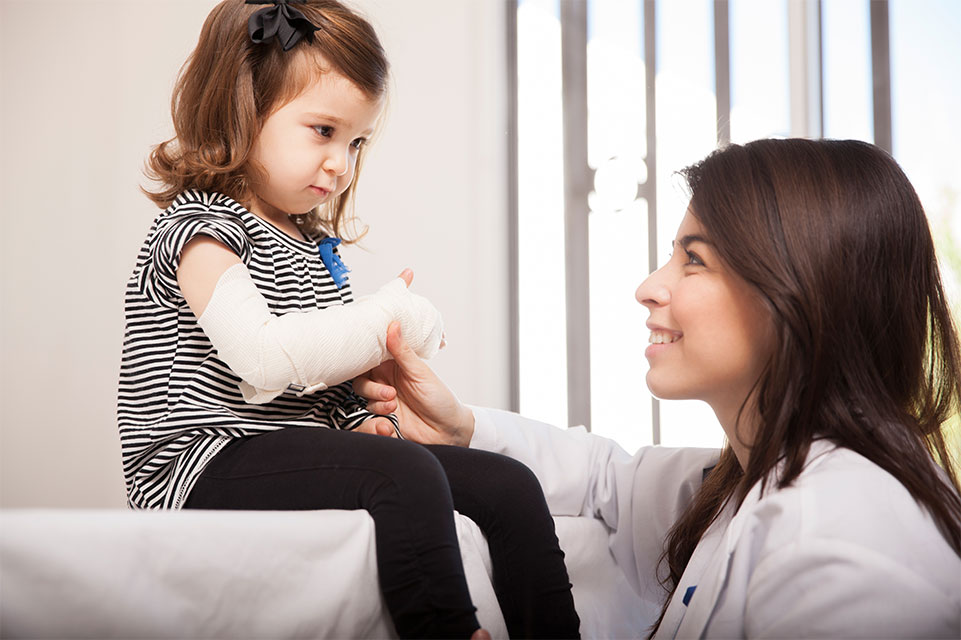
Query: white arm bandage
310	351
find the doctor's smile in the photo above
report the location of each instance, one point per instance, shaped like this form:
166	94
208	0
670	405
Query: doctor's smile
659	340
663	336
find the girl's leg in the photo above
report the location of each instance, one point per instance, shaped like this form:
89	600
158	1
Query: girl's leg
506	501
399	483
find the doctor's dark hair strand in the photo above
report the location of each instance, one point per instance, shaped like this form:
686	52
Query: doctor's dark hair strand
834	238
230	85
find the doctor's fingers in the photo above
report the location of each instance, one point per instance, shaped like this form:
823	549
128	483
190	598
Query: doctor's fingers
381	397
377	427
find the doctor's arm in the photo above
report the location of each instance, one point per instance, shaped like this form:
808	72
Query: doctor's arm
581	474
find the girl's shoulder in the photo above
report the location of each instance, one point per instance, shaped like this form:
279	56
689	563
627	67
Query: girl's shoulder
211	213
195	202
192	213
213	208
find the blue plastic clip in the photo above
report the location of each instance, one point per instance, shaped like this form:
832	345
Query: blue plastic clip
338	270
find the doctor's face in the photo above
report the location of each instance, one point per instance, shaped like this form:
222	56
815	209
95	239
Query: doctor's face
710	333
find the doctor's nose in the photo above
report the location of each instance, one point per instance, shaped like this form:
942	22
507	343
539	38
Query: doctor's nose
654	291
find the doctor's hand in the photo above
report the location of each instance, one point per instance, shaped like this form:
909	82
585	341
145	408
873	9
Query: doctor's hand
428	411
377	427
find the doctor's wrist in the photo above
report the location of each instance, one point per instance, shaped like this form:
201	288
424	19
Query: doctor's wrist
464	431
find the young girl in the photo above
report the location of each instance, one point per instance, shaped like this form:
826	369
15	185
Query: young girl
242	333
803	303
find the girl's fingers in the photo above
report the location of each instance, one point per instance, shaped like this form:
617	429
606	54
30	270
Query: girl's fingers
407	275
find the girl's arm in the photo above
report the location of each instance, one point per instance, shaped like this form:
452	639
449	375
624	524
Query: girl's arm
300	352
202	262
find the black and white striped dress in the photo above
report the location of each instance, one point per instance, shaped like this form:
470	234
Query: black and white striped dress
178	403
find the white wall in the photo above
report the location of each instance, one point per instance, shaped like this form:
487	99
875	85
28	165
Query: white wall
84	92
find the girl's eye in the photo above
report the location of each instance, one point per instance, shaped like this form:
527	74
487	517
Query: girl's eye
325	130
358	143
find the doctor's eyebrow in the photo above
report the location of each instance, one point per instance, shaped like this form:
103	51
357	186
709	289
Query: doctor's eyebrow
688	240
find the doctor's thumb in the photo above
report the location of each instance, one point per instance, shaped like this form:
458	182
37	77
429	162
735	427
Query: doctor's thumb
402	353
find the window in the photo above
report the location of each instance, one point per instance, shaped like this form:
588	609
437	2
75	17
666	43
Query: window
926	135
614	96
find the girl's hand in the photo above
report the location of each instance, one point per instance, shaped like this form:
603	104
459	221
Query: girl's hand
427	410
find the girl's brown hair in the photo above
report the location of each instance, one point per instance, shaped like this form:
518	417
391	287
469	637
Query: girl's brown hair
230	85
834	237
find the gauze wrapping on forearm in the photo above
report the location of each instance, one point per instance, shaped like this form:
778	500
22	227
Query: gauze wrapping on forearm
310	351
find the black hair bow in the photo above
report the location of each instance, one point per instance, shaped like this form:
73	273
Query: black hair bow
281	20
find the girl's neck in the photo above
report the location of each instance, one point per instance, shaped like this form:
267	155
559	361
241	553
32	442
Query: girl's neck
276	218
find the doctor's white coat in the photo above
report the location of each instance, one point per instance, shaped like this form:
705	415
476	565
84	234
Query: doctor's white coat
845	552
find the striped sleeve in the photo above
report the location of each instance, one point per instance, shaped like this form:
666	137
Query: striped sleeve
158	275
351	411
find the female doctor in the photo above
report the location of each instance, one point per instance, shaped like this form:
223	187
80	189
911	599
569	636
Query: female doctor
803	303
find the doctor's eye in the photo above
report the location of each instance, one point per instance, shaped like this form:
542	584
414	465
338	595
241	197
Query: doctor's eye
693	259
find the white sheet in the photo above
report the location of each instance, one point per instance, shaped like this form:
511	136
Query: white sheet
248	574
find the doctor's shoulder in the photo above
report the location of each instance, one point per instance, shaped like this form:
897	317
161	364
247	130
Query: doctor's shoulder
845	551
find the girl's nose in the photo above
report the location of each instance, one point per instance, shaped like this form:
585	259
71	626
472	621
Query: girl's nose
654	292
337	162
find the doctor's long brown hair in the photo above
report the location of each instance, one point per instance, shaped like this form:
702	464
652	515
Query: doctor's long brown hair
866	355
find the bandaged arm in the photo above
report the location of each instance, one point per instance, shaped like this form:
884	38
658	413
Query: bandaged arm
310	351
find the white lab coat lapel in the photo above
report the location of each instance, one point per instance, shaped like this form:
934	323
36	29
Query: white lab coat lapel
699	567
715	577
707	571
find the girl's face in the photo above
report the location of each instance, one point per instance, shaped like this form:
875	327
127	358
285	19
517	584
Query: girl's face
710	333
308	147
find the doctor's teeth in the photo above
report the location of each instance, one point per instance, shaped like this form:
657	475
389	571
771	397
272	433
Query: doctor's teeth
663	337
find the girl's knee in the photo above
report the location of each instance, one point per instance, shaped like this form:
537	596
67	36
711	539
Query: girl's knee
509	487
410	463
514	475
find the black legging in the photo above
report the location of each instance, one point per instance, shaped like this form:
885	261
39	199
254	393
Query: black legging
410	491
